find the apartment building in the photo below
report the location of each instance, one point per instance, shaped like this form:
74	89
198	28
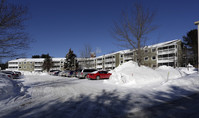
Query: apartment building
167	53
34	64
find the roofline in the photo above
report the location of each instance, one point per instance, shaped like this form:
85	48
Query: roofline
196	23
121	52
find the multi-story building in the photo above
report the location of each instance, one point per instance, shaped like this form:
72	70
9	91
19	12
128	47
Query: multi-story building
167	53
34	64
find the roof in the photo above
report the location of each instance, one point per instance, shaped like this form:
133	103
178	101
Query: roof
110	54
34	59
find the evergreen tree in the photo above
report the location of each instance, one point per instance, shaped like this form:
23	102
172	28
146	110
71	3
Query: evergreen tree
191	43
71	61
48	63
3	66
36	56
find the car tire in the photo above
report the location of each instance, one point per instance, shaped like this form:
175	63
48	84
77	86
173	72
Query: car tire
85	77
98	77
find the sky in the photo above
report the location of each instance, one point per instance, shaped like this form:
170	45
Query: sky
58	25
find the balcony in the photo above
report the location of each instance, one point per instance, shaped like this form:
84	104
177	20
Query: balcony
110	65
110	60
99	66
128	57
167	59
167	51
100	61
13	65
38	64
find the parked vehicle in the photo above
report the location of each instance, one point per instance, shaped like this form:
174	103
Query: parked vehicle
71	74
67	73
77	72
17	73
8	76
84	72
64	73
54	72
14	75
99	75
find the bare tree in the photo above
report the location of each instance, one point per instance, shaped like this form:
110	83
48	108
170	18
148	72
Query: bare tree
131	31
13	38
85	54
86	51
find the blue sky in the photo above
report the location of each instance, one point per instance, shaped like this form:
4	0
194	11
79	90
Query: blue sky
57	25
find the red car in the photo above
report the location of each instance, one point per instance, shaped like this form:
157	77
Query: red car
99	75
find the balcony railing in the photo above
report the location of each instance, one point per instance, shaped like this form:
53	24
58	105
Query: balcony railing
99	61
166	58
109	65
128	57
172	50
110	60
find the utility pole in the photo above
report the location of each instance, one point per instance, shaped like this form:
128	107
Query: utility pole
197	23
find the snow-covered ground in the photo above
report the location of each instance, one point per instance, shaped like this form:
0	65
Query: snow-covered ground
129	91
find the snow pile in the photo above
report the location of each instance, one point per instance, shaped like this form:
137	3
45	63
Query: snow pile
33	73
168	72
6	87
130	73
189	70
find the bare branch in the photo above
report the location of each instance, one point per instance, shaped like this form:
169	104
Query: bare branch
13	39
133	28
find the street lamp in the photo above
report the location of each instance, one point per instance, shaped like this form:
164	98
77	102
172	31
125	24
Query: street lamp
197	23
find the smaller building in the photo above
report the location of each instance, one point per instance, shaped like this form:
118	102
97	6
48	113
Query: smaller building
34	64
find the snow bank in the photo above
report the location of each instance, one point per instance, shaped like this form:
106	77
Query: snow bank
33	73
174	73
6	87
188	71
168	72
130	73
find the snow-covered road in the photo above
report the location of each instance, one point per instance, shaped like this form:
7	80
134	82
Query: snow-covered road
52	96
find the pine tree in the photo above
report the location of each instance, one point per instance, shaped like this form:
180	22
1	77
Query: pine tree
48	63
71	62
191	43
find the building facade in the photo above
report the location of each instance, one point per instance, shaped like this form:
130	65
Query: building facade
34	64
167	53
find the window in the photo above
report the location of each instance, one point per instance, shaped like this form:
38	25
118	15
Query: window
121	62
146	58
153	49
153	66
121	55
146	51
153	58
24	62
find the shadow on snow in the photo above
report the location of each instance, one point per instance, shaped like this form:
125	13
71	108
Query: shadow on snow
108	104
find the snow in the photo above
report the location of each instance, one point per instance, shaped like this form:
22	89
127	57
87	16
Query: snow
131	74
9	88
129	91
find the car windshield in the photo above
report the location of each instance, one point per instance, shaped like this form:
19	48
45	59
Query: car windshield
95	72
89	70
